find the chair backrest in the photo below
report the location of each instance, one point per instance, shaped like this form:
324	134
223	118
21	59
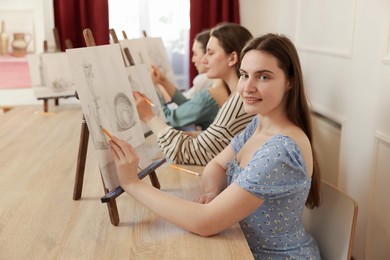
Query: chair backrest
333	223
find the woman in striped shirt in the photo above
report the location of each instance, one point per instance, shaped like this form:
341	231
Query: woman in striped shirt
222	61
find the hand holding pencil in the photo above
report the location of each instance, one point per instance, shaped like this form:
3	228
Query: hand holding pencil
137	94
148	100
106	132
156	74
144	106
126	160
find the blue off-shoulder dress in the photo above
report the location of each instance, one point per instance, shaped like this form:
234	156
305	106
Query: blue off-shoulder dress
277	174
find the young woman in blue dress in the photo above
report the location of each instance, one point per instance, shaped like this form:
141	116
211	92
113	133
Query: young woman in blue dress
268	173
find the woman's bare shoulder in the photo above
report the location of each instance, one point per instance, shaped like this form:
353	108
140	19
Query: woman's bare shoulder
304	144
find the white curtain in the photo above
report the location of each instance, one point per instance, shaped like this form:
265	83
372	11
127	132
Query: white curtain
168	19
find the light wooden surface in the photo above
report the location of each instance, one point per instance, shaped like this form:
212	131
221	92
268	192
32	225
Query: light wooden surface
39	219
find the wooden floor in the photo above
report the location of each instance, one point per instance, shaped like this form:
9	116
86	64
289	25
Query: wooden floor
39	219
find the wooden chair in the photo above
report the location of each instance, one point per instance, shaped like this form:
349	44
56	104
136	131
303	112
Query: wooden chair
333	223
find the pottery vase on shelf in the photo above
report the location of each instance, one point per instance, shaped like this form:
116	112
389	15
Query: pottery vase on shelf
3	39
20	43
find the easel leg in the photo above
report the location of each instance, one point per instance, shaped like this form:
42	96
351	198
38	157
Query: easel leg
81	158
154	180
112	210
80	168
45	105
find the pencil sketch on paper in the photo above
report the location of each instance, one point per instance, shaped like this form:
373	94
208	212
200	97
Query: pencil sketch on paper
149	50
106	99
159	56
124	118
140	80
55	72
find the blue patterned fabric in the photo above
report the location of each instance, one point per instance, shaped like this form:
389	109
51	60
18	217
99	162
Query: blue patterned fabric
277	174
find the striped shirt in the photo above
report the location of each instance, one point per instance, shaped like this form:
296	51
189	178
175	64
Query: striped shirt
181	148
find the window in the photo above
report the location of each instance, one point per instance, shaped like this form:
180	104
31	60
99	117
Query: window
158	19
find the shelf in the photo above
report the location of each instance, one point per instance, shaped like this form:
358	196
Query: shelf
10	58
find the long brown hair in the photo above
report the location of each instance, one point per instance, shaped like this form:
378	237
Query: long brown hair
232	37
203	37
280	47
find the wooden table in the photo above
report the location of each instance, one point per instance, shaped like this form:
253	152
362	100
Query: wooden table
39	219
47	93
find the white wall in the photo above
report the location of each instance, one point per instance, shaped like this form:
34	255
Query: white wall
30	16
259	17
344	50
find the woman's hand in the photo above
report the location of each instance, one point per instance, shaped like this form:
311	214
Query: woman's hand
205	198
143	107
157	75
126	161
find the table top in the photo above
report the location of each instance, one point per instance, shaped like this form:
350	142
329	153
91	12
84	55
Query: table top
42	92
39	219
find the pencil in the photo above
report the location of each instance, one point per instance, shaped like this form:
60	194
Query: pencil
148	101
184	170
106	132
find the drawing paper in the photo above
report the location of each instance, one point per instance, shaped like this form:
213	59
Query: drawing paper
140	80
150	50
106	99
55	71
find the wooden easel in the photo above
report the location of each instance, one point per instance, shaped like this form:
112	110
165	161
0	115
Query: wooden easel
124	35
109	196
125	50
162	91
68	44
57	39
46	50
